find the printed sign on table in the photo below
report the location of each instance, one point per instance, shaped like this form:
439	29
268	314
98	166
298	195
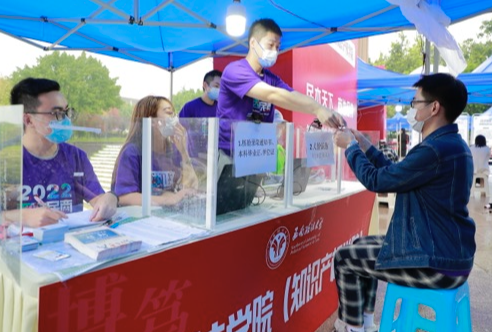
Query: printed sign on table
319	149
255	148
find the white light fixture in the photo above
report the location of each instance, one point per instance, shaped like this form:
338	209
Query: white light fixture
398	108
236	19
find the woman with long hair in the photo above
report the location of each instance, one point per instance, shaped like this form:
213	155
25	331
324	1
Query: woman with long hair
173	176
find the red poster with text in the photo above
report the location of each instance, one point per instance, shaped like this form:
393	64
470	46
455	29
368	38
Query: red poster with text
272	276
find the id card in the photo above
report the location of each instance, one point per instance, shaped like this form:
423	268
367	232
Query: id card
51	255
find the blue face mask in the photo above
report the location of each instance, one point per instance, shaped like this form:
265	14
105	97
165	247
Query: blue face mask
213	93
269	57
60	135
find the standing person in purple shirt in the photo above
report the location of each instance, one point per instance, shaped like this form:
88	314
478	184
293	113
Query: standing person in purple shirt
57	176
202	107
173	176
206	105
249	91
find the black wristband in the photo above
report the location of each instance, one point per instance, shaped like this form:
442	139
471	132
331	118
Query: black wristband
117	198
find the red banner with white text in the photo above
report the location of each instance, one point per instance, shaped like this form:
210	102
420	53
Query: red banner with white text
273	276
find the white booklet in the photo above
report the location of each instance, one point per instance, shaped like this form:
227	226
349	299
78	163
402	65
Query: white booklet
158	231
102	243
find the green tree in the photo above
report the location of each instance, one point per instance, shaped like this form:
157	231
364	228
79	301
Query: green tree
84	80
403	57
5	87
184	96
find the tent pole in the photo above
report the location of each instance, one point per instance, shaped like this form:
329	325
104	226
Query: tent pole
171	79
171	87
435	68
427	57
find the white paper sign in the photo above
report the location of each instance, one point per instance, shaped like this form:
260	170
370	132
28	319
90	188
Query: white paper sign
319	149
255	148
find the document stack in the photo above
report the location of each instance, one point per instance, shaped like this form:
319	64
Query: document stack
102	243
50	233
24	243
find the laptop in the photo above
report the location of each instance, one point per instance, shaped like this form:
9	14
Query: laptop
301	178
235	193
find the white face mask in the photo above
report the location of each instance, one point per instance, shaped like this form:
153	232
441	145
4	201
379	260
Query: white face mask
269	57
416	125
167	126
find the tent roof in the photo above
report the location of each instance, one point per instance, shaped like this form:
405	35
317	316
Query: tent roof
376	86
171	34
485	67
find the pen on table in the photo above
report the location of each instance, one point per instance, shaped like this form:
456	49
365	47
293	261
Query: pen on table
114	224
41	203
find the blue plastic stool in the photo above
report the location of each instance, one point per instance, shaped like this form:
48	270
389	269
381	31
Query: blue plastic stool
448	305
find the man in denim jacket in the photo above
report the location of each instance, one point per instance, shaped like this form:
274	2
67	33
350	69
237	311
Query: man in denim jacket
430	240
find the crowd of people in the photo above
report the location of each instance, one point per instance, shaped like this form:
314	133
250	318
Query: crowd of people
430	242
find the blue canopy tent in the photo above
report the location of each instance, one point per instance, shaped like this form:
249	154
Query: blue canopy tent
376	86
172	34
397	122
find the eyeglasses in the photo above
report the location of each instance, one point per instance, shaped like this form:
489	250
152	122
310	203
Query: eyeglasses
59	113
413	102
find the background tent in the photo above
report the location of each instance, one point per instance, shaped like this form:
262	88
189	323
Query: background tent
171	34
397	122
377	86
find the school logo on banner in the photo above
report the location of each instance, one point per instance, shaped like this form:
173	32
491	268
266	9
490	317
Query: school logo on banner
277	247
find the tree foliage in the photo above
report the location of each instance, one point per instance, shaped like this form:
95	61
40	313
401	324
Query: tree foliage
184	96
403	57
84	80
5	87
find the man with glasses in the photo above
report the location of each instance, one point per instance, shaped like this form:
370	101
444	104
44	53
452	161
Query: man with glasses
56	177
430	241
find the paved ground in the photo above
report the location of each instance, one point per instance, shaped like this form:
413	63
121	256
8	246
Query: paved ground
480	280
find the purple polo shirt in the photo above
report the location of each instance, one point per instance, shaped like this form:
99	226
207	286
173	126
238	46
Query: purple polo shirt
197	134
62	182
233	104
165	172
197	108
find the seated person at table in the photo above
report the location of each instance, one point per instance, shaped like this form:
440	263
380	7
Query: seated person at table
430	242
56	177
173	176
481	155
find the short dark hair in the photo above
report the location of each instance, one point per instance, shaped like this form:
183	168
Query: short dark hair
26	92
209	77
480	141
261	27
450	92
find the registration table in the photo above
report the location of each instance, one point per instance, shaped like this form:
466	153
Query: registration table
266	270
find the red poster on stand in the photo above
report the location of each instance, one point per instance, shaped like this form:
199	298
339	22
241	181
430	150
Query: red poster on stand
272	276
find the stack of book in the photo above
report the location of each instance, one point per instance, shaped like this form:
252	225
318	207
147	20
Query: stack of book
50	233
102	243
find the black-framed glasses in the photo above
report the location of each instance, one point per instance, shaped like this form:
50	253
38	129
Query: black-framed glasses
59	113
416	101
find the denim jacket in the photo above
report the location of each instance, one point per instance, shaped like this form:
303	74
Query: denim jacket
430	226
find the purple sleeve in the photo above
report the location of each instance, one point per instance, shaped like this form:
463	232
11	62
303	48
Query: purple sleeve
277	81
92	186
128	177
238	78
